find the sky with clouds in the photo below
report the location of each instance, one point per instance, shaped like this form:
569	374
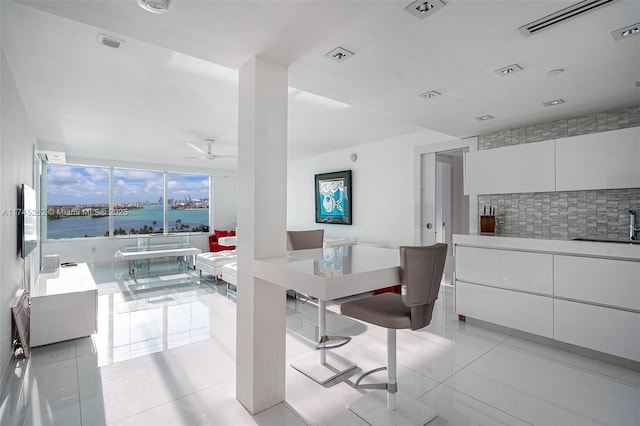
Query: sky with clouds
71	185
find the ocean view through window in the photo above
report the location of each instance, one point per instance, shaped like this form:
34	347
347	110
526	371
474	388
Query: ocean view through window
74	194
78	206
139	194
188	201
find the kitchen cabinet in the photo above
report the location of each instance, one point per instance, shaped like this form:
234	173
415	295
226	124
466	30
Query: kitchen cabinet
602	281
602	329
516	270
518	168
521	311
604	160
582	293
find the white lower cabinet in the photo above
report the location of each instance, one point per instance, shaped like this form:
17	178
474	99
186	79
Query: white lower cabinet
581	293
518	270
608	330
527	312
603	281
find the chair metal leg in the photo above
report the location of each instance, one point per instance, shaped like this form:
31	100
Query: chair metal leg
323	338
391	386
399	408
391	369
330	365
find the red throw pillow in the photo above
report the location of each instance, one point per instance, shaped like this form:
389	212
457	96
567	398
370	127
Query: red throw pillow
232	233
219	233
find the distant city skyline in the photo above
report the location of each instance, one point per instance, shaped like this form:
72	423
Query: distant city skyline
72	185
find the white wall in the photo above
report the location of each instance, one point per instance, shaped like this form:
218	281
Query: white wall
225	202
383	184
17	141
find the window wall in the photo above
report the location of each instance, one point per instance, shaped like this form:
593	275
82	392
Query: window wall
86	201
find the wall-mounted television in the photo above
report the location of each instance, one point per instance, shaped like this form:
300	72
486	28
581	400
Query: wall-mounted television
27	220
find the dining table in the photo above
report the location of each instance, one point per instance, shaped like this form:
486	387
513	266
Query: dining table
329	274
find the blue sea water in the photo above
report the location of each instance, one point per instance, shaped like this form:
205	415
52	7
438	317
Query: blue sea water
80	226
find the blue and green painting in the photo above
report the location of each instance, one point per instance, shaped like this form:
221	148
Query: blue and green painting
332	193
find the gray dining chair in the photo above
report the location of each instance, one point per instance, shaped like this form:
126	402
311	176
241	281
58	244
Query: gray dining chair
420	275
302	240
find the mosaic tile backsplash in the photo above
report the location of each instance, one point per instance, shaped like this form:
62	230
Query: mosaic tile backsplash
570	214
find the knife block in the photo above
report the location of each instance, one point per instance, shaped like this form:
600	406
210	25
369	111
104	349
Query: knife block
488	224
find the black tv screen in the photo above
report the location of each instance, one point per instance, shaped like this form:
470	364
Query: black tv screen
28	220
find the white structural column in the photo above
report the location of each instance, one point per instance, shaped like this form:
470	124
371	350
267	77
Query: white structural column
262	172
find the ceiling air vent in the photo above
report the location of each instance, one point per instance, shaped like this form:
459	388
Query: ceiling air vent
563	15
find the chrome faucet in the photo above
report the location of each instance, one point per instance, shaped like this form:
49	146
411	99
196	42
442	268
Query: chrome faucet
633	227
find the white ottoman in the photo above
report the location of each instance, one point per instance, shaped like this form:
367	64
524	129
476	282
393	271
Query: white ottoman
230	273
212	263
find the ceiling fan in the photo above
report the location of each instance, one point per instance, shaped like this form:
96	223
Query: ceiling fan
206	154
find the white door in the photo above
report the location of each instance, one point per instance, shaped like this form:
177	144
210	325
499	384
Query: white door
428	234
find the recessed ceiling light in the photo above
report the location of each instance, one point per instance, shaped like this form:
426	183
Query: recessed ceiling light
553	102
485	117
155	6
626	32
109	41
339	54
508	70
429	94
557	71
422	8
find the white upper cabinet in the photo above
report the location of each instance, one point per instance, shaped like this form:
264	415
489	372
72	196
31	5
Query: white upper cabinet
518	168
603	160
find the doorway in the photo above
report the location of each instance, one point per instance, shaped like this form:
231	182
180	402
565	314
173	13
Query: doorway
442	209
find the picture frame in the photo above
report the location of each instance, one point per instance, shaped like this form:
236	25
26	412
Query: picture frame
333	198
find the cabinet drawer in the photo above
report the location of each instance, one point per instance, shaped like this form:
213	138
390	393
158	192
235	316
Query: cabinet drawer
602	329
603	281
521	311
531	272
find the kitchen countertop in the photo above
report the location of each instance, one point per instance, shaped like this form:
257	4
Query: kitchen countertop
572	247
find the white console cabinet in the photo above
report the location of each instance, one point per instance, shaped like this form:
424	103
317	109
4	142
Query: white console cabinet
583	293
64	306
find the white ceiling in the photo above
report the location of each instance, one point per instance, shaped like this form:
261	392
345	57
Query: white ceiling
175	78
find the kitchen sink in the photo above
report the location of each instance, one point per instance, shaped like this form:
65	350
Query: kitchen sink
605	240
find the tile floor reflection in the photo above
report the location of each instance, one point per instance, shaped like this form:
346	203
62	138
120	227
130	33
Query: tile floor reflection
165	355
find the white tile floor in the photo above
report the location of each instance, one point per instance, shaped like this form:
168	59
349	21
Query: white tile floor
167	357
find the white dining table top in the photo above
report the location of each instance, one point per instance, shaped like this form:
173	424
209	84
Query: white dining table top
332	272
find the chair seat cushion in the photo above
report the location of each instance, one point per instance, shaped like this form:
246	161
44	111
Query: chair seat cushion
386	310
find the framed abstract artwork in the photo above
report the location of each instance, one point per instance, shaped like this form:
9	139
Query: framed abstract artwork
333	197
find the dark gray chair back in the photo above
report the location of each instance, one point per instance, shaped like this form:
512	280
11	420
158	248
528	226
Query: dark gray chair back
302	240
420	275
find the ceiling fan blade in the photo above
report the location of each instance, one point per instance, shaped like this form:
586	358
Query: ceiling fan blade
193	158
224	156
195	148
